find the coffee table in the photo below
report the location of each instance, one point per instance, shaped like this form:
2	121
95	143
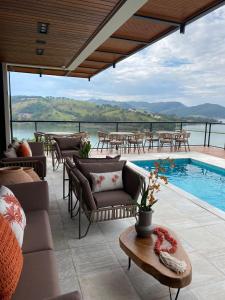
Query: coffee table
141	251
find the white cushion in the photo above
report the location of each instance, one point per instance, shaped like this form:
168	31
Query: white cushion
107	181
12	211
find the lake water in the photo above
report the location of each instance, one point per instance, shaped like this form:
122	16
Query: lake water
217	138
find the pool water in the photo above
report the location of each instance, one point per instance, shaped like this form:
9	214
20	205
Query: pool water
204	181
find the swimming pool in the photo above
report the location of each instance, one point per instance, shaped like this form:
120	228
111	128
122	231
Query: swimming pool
202	180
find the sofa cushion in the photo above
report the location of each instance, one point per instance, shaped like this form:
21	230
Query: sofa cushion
24	149
39	278
10	153
112	198
11	260
68	143
37	234
12	211
87	168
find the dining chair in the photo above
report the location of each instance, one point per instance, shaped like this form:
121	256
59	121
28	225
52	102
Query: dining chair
166	139
182	138
150	139
117	142
103	139
136	141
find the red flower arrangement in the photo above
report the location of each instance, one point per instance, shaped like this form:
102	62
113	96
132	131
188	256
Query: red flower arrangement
163	234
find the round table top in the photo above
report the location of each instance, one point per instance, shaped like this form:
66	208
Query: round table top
122	133
59	133
141	251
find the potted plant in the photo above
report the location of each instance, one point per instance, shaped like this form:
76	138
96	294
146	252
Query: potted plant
143	225
85	150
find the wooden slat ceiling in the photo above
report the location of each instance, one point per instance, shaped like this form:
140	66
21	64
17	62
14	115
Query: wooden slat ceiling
72	24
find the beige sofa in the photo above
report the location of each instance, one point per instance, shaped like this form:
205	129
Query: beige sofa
39	278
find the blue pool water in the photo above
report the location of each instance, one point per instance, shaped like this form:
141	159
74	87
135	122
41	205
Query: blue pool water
204	181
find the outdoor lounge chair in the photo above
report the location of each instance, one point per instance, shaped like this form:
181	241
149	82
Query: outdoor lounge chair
105	205
36	161
65	147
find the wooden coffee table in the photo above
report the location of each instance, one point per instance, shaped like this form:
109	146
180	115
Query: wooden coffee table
141	251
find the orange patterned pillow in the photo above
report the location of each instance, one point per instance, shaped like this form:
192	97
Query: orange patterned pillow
11	260
24	149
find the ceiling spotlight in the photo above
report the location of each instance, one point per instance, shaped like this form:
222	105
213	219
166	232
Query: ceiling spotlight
42	27
39	51
114	65
41	42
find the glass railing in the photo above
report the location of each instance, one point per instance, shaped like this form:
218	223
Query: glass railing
202	134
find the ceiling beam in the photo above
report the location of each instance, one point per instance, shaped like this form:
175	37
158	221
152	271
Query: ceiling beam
156	20
112	52
97	61
117	20
128	40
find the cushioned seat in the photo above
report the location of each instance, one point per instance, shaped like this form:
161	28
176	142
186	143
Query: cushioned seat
112	198
39	278
37	234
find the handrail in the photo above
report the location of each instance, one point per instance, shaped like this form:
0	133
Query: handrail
207	126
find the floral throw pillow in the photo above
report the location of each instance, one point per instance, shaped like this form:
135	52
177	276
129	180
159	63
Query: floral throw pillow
12	211
107	181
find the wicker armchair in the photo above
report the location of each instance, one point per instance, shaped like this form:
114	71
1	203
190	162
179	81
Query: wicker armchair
106	205
36	161
65	147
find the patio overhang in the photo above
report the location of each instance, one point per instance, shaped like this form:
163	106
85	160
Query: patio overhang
83	38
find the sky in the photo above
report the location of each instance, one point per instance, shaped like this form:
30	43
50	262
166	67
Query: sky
189	68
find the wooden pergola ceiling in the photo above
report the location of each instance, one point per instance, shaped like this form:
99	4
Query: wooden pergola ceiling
76	43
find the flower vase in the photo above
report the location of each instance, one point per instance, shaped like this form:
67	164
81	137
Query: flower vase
143	225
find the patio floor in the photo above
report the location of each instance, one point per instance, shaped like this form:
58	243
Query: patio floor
97	267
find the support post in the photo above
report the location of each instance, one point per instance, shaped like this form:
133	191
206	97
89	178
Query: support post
210	125
206	128
5	134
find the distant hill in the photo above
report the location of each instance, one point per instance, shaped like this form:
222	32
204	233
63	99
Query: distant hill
178	109
65	109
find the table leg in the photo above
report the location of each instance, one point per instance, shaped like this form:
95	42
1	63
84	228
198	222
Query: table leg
129	263
177	294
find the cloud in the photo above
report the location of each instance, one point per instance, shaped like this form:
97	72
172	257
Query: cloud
187	68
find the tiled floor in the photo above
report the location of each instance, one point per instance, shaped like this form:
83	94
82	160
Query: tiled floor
97	267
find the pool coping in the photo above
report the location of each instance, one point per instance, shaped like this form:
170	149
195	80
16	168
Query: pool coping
205	158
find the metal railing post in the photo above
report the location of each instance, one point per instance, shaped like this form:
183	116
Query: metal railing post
150	127
210	125
35	126
79	126
181	126
206	129
117	126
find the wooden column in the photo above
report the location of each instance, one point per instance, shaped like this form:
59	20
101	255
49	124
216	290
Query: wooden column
4	110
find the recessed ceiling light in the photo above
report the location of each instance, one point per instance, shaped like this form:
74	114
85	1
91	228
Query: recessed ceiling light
42	27
39	51
41	42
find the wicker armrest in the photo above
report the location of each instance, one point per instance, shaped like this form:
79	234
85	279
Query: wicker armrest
132	181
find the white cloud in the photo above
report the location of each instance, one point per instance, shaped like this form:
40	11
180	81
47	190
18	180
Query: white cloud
187	68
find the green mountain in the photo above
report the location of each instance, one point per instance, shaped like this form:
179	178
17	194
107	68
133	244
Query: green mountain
64	109
178	109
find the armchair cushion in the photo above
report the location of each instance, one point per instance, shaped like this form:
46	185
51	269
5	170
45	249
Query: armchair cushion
68	143
112	198
87	168
69	296
107	181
